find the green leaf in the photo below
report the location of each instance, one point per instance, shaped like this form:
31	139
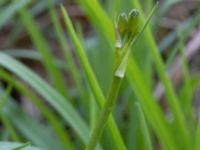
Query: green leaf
57	101
22	146
197	137
44	49
152	111
10	10
13	146
52	119
138	132
28	127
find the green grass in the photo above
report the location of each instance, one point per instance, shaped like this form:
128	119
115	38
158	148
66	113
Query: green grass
97	95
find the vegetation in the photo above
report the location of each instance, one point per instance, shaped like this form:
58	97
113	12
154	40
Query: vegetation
109	88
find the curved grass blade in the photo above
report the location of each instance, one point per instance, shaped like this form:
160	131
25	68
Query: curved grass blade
13	145
52	119
57	101
33	55
28	128
10	10
22	146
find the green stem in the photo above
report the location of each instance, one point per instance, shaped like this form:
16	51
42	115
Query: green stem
107	108
120	66
115	134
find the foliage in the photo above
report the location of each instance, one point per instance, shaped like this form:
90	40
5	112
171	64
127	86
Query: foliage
130	115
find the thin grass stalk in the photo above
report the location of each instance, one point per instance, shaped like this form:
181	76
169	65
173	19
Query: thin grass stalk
105	112
73	71
117	138
128	39
44	49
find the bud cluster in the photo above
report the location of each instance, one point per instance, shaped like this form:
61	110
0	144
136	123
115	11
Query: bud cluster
128	25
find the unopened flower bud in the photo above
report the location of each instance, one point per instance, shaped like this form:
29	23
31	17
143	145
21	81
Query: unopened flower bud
128	25
134	22
122	24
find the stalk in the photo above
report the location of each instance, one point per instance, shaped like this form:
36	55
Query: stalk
121	59
118	75
101	122
128	32
115	134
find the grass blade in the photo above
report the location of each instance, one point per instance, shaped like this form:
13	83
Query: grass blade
12	145
65	49
28	127
51	95
44	49
151	109
4	98
170	93
10	10
92	80
22	146
197	137
146	134
99	18
51	118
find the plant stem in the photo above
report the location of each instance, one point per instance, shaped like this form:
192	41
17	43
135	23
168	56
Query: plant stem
101	122
122	54
120	67
98	94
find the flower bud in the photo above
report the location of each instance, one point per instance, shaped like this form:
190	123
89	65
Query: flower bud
128	25
122	24
134	22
